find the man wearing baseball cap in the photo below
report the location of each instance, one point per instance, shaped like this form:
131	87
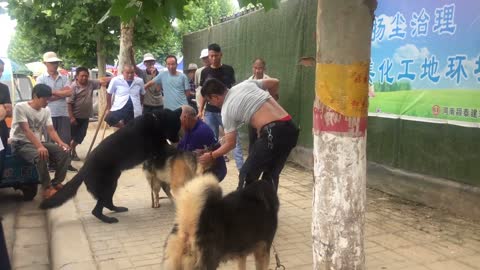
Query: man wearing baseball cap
57	103
153	99
29	120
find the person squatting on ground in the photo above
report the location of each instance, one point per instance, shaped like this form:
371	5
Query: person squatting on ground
29	120
197	137
174	85
80	106
128	92
248	103
153	100
58	102
210	113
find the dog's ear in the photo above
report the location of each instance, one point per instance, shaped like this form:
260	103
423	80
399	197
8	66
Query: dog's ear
178	112
171	124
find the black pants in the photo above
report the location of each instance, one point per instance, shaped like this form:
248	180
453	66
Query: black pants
269	153
252	137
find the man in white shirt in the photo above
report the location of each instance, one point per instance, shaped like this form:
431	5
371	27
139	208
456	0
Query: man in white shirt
128	92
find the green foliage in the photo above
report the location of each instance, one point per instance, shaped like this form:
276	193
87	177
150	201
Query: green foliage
197	16
202	13
267	4
158	12
67	27
20	50
72	28
396	86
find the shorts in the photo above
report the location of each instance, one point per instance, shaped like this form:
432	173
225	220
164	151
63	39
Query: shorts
79	130
125	114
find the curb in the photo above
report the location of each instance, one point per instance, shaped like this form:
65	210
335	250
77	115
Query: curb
456	198
69	246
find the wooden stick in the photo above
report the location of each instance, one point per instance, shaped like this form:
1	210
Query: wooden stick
98	128
105	127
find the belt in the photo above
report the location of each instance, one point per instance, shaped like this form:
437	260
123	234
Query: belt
275	124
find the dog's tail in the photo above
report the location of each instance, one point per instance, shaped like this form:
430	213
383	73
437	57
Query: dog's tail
66	193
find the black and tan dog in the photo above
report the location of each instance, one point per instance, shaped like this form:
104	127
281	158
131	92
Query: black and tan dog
211	228
143	138
175	164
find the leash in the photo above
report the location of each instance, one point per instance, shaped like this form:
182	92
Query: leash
279	266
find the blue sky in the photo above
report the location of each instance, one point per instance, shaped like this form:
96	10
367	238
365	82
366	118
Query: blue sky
465	41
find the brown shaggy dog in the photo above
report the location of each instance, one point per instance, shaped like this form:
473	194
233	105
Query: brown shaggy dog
210	228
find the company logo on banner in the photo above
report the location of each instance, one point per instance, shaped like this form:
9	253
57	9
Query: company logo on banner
425	62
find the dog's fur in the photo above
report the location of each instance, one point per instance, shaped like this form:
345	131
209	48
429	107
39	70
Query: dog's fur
143	138
210	228
175	164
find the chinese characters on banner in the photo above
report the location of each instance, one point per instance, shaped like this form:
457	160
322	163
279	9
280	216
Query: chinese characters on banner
426	59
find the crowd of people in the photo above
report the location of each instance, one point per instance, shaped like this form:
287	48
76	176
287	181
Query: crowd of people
47	129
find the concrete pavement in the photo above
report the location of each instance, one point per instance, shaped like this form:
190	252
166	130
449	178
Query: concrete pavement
399	234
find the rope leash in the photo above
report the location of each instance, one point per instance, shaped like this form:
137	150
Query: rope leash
277	259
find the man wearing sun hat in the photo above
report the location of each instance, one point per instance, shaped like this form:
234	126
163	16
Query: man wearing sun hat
192	67
153	99
198	72
60	91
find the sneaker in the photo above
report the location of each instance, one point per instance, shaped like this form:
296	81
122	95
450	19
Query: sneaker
72	169
48	192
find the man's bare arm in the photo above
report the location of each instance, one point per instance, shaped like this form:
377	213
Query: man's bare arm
8	109
272	85
61	93
52	133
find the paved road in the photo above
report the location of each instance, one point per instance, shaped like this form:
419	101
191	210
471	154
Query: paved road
399	234
25	231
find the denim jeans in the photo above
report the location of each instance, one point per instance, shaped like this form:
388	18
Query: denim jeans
214	121
269	153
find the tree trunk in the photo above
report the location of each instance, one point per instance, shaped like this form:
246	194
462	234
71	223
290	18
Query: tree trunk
340	118
101	63
126	45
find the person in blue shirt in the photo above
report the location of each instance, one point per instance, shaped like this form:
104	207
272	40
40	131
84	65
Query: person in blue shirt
175	85
198	136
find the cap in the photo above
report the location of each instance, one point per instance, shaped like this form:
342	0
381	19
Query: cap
204	53
192	66
148	57
42	90
50	57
